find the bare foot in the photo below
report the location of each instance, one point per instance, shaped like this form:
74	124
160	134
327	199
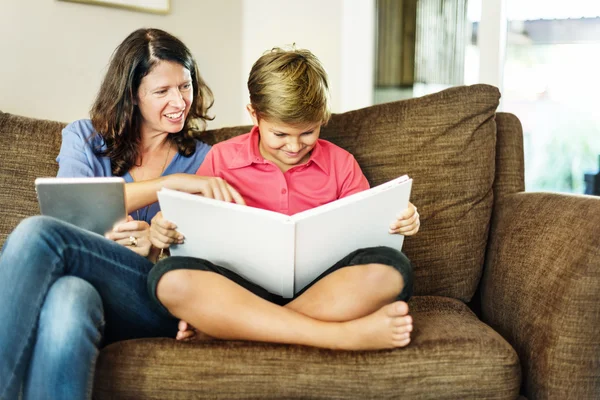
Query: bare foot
187	333
386	328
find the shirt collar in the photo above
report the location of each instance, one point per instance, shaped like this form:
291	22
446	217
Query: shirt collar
249	154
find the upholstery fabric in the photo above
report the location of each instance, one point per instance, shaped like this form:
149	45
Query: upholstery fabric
453	356
543	270
510	162
28	150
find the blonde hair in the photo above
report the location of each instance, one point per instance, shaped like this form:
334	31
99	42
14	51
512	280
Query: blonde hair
289	86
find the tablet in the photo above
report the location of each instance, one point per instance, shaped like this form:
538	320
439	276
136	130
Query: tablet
95	204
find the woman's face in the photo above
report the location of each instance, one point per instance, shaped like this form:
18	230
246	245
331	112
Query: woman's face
164	98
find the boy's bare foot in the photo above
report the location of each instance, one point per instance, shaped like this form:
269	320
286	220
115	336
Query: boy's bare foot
187	333
386	328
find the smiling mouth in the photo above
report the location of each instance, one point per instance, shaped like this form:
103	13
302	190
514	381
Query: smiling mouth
176	115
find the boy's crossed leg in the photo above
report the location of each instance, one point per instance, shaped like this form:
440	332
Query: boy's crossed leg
225	309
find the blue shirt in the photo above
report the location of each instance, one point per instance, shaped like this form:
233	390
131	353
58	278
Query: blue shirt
78	159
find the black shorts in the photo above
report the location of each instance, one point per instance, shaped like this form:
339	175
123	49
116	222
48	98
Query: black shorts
371	255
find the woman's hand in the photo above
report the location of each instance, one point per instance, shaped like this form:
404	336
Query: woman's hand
408	222
163	233
132	234
211	187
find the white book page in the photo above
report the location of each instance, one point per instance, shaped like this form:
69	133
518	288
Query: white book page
256	244
328	233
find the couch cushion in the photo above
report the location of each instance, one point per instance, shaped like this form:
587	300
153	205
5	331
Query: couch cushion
28	149
446	143
453	355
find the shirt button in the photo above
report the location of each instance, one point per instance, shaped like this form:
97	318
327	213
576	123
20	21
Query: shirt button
283	191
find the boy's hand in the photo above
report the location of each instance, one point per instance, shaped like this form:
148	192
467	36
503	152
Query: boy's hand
163	233
408	222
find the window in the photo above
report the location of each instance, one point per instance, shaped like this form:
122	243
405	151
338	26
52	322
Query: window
551	83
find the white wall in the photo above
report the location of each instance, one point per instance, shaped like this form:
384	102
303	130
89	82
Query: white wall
341	33
53	54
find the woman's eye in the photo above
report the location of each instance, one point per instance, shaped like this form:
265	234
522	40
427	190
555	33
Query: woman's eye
187	86
160	92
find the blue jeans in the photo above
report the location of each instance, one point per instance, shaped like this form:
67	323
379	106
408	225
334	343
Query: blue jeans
60	288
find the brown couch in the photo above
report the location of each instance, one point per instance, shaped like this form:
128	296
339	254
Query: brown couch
507	283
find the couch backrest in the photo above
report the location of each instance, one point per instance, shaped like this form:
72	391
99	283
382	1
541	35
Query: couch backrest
445	142
28	149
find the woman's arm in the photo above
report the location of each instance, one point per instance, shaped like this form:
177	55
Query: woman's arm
140	194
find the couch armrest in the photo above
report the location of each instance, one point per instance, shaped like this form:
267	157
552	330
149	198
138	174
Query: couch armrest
541	290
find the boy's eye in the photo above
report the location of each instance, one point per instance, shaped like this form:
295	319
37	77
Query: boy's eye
280	134
307	133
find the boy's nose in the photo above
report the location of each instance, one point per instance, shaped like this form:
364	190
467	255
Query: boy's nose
294	147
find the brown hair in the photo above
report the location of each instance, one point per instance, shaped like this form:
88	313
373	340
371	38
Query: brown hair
114	114
289	86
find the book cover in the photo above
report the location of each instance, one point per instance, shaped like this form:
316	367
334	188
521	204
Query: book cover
279	252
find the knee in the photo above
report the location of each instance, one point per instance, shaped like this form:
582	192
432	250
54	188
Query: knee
32	230
173	288
399	271
72	308
31	227
383	276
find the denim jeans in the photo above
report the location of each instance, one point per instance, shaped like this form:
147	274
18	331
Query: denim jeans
60	288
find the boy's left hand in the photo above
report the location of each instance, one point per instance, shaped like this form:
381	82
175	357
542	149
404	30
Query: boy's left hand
408	222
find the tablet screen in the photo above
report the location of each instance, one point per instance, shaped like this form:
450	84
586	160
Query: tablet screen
95	204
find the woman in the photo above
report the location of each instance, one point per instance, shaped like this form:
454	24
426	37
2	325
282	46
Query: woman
60	285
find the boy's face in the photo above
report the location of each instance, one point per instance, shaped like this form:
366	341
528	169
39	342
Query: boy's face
283	144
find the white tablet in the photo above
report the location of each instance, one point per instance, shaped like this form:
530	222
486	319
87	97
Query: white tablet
95	204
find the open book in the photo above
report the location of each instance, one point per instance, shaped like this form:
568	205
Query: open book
284	253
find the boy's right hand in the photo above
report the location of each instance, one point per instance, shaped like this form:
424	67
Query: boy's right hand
163	233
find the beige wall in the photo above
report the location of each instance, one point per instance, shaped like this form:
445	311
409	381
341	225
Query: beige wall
340	32
53	54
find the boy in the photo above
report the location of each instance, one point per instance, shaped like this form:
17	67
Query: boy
282	165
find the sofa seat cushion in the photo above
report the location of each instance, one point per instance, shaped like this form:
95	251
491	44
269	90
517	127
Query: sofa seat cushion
453	355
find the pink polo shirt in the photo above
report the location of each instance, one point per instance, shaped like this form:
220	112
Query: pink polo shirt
330	174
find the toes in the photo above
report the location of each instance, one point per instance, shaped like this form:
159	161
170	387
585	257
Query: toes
402	321
402	329
398	337
402	343
397	309
402	307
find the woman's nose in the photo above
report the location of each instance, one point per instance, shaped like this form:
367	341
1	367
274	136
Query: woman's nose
176	98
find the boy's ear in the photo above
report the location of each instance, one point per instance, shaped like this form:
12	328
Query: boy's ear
252	114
